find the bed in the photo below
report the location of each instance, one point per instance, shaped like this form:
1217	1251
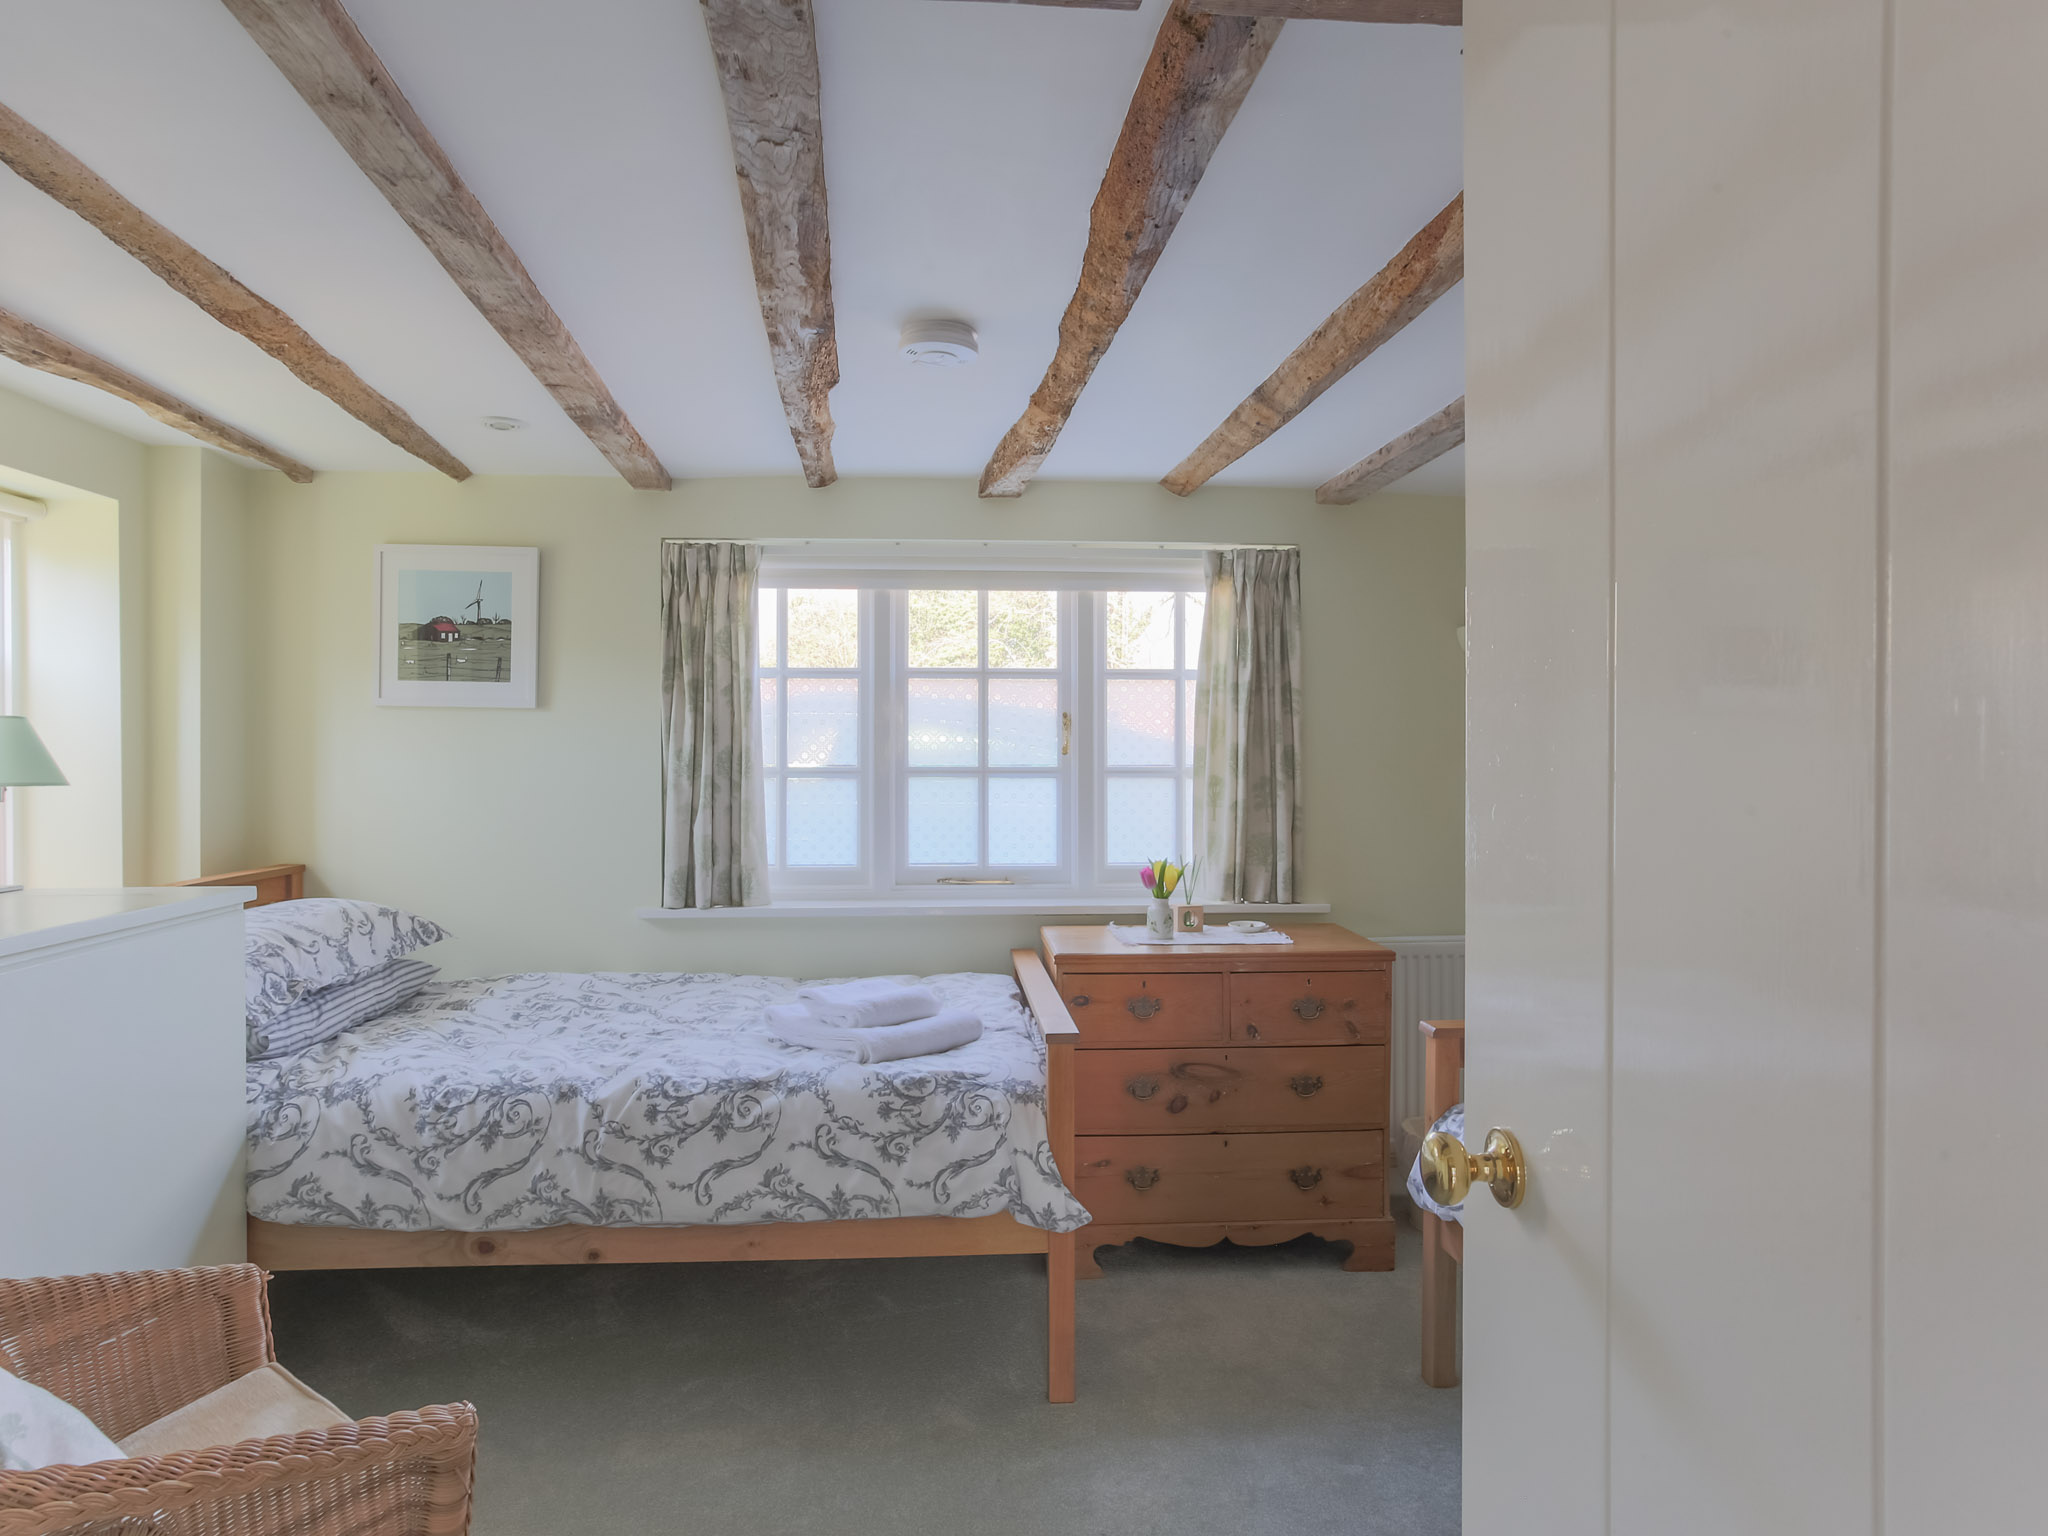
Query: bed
1443	1237
601	1118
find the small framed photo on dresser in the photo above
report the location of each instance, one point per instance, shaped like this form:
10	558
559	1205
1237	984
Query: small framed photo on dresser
457	624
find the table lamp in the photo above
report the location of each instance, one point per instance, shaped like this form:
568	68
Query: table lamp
23	760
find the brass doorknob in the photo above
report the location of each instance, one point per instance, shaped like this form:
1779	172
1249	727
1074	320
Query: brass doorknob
1449	1171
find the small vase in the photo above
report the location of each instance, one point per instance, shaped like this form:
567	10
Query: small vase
1159	918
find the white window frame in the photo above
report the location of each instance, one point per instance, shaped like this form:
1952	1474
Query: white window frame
883	576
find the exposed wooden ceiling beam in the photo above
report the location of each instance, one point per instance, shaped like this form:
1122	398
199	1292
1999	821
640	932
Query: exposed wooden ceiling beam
1077	5
1428	266
35	347
1428	13
767	55
1200	69
47	165
330	64
1405	454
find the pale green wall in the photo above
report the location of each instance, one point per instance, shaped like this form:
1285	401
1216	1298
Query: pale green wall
534	834
198	663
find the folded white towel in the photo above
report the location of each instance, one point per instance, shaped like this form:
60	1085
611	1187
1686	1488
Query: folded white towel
875	1042
868	1003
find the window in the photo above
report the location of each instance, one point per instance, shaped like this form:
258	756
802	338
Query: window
976	732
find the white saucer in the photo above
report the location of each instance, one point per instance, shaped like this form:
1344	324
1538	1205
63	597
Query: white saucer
1249	925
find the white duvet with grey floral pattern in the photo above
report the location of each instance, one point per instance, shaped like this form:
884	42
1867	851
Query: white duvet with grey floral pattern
616	1099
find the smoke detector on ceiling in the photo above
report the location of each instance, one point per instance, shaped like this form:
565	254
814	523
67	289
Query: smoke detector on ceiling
939	343
503	423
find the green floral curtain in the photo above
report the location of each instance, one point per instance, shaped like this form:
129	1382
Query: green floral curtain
1248	726
714	844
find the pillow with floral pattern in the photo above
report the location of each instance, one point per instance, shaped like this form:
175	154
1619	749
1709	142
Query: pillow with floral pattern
297	947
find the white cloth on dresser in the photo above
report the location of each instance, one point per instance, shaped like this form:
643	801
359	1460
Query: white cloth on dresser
1127	933
946	1030
869	1003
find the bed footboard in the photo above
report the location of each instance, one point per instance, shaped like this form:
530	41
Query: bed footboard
1443	1242
1060	1031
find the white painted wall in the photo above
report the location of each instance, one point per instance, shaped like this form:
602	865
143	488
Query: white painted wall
534	834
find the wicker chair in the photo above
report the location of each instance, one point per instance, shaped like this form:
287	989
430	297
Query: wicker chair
127	1349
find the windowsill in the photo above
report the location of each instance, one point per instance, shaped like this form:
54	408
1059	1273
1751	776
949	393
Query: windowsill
1008	906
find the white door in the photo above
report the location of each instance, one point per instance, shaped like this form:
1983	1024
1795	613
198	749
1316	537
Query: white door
1757	308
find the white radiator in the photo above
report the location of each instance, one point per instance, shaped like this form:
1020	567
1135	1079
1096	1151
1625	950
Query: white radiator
1429	983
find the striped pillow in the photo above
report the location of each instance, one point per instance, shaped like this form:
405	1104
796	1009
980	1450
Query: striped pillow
320	1016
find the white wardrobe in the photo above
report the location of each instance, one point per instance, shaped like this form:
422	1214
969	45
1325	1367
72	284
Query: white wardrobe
121	1058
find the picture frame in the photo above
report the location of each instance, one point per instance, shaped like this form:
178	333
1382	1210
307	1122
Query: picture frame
458	625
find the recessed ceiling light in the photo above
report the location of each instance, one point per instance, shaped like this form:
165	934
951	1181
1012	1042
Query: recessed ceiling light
503	423
939	343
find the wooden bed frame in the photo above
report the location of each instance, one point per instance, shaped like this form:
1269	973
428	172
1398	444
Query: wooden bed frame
1443	1242
286	1247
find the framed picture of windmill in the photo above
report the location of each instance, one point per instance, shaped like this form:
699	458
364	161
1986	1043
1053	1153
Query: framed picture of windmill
457	624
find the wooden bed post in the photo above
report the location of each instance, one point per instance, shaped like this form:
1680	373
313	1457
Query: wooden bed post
1443	1242
1060	1034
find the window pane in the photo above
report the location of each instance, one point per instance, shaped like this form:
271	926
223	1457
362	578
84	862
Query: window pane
1140	722
1023	723
824	721
1023	629
943	629
771	704
1197	604
824	628
945	821
774	806
1139	818
1140	630
944	728
1023	821
824	822
767	612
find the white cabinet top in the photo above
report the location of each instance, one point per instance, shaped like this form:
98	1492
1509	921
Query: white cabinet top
32	921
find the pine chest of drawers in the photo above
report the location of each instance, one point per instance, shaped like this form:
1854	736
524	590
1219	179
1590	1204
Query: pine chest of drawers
1230	1091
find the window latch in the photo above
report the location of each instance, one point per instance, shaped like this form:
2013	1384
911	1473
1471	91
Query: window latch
1066	733
966	880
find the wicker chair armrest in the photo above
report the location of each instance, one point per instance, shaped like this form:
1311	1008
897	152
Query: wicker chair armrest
441	1440
128	1348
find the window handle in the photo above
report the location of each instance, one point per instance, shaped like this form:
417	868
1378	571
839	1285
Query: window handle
966	880
1066	733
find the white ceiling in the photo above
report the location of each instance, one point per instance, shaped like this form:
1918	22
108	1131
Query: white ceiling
964	145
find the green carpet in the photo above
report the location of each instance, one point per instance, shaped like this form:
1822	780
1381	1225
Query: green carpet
1223	1392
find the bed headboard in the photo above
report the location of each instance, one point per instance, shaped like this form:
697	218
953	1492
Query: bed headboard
273	882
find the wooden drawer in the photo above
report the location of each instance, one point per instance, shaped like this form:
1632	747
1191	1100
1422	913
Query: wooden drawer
1304	1008
1274	1176
1287	1088
1163	1008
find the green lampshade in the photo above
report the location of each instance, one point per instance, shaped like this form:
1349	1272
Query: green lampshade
23	758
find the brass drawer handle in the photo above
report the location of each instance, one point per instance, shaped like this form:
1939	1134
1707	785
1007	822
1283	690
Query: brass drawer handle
1305	1178
1307	1008
1251	1031
1079	999
1305	1086
1142	1087
1145	1178
1144	1007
